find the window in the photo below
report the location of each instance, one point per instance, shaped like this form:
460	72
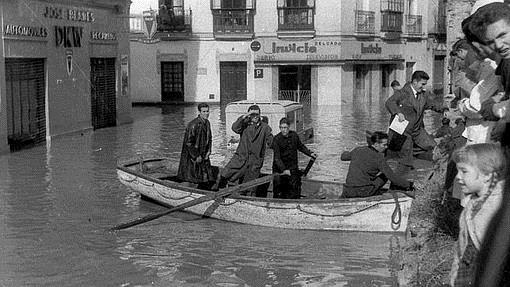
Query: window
232	4
392	15
296	14
172	16
232	16
392	5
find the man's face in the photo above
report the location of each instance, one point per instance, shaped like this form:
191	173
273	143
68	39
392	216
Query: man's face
419	86
396	87
284	129
497	37
204	113
381	146
462	53
255	116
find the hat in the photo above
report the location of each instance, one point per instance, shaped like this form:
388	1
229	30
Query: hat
481	3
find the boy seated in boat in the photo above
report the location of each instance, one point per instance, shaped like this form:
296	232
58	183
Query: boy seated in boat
369	171
285	160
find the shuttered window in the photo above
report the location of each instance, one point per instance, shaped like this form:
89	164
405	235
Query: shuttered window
103	92
26	112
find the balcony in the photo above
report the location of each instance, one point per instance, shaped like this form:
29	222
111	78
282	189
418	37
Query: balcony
233	24
174	23
365	22
296	22
414	26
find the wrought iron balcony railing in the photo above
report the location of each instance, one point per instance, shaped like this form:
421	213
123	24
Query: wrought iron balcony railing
176	20
392	5
232	21
365	22
295	19
414	25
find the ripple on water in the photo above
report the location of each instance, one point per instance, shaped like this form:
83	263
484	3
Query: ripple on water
59	199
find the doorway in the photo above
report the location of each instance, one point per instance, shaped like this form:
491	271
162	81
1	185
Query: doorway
232	82
438	73
362	82
409	71
172	81
294	83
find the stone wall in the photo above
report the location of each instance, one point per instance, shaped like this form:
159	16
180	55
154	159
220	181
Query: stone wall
456	11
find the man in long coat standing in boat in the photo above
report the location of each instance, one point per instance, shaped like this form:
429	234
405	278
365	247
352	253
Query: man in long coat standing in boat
195	166
248	159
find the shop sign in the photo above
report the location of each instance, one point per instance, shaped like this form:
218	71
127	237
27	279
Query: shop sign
259	73
68	36
28	31
69	61
268	50
124	68
354	50
69	14
107	36
371	49
149	23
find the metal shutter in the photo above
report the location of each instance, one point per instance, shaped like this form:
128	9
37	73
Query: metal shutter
26	112
102	79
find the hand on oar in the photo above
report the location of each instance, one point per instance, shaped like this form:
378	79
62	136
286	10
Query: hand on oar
309	165
209	197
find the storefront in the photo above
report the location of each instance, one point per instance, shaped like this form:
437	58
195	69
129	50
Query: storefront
303	71
369	68
66	70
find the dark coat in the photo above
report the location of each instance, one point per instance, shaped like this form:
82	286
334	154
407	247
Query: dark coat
251	149
403	101
366	164
285	150
197	142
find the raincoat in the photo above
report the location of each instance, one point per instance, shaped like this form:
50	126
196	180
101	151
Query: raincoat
197	142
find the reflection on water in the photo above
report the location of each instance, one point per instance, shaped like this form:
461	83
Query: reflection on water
58	200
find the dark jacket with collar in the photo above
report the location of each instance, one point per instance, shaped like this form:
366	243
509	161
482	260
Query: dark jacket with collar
366	163
403	101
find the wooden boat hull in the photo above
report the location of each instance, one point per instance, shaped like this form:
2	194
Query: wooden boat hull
361	214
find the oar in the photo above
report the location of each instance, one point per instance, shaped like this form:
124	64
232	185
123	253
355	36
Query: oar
212	196
309	166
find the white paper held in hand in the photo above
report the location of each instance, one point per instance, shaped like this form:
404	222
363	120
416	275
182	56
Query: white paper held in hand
398	126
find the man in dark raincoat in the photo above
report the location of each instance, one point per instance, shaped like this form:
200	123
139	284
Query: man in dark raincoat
195	166
248	159
410	104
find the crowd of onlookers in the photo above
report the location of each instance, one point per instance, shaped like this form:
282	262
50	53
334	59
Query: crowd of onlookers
477	172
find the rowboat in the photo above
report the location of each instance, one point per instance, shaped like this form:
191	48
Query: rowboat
155	179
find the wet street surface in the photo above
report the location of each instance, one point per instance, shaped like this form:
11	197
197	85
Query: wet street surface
59	200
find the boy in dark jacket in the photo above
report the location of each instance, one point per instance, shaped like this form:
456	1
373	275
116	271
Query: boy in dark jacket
286	145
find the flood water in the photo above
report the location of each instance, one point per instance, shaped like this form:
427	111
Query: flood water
58	201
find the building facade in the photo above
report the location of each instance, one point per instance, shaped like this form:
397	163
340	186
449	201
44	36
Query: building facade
317	52
64	68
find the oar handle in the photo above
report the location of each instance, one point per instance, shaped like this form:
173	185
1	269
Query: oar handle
309	165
